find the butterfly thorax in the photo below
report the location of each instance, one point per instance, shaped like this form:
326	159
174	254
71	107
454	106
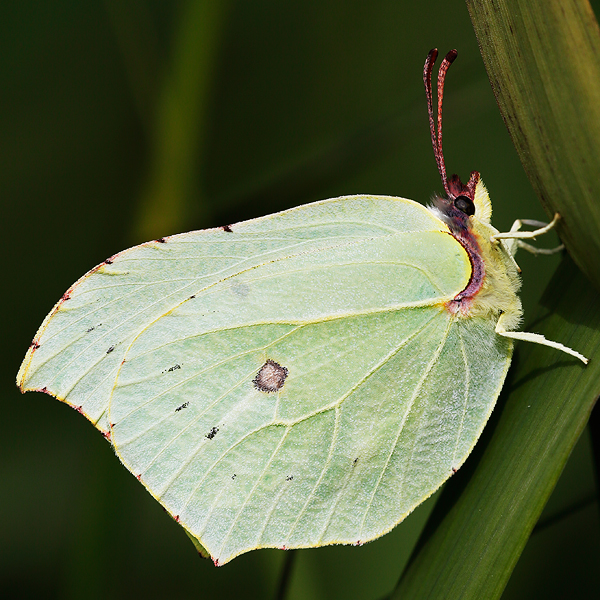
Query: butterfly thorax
497	293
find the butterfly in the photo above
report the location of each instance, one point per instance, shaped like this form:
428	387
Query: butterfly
301	379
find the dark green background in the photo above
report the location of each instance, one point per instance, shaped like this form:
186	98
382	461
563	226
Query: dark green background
304	101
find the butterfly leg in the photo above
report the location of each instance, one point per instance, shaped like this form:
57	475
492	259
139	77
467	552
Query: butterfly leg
535	338
515	235
534	250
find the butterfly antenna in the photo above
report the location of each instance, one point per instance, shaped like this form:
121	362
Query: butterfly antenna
427	70
436	132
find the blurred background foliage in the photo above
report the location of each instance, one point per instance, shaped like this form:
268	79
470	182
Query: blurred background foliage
124	120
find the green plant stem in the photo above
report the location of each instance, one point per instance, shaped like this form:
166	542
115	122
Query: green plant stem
285	577
180	123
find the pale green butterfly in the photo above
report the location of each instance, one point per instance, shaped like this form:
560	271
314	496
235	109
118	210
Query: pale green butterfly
302	379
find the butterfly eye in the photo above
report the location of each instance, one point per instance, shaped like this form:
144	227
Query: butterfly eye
465	205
